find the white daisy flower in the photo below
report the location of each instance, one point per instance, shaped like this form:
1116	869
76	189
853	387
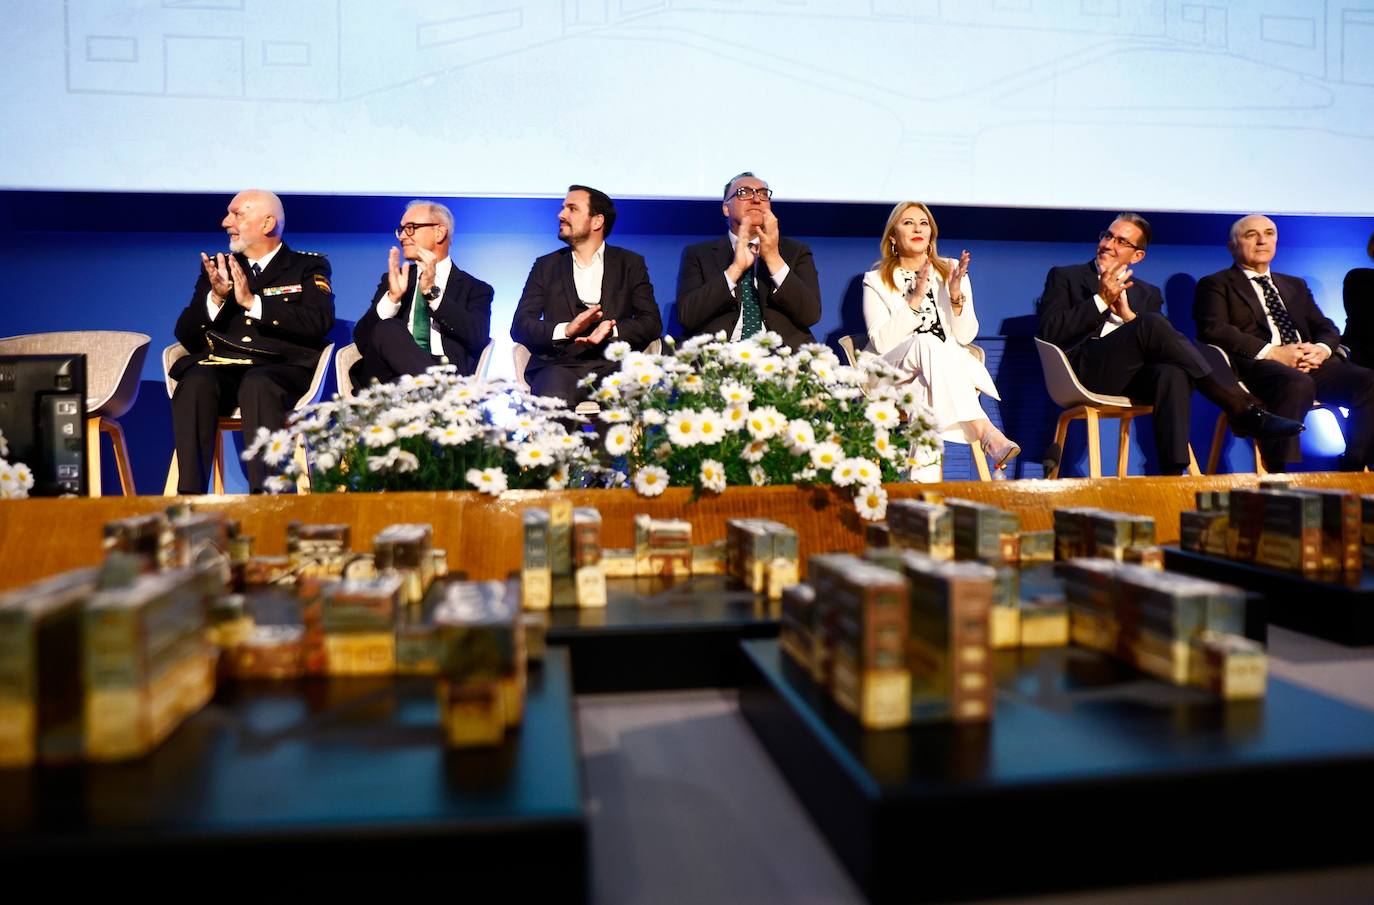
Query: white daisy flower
710	427
277	447
259	441
614	416
736	417
736	393
653	417
326	460
800	435
411	429
531	455
871	502
452	434
618	439
487	480
9	482
866	471
882	444
712	476
692	383
277	484
768	339
375	436
559	479
769	367
882	414
746	352
827	455
843	474
765	422
651	480
805	476
682	428
755	451
617	350
757	476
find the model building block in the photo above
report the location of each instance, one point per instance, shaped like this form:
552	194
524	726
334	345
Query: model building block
1231	667
589	578
268	652
926	527
360	618
318	550
560	552
482	669
40	669
148	536
536	573
406	550
1045	622
710	559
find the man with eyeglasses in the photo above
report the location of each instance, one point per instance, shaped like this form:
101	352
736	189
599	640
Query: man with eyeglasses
1113	329
255	326
1281	344
751	279
426	311
580	298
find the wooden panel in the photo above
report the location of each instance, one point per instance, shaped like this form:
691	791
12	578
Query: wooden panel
39	537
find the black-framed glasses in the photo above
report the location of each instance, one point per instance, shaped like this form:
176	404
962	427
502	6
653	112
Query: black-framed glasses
1113	238
408	229
747	193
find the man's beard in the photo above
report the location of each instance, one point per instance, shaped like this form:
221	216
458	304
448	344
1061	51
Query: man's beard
237	245
573	237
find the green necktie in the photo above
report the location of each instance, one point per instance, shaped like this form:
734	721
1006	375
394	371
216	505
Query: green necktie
749	303
419	316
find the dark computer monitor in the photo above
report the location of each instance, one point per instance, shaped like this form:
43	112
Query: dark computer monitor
43	417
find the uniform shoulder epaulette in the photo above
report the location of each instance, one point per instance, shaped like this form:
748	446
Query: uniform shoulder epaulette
313	254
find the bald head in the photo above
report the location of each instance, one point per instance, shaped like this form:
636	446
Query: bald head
255	222
1254	239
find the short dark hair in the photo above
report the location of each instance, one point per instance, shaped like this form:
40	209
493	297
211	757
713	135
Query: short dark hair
736	178
1139	223
602	204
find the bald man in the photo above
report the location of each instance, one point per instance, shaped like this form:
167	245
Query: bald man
1281	344
254	328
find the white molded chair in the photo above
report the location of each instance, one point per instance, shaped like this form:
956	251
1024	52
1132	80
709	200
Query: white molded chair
114	363
851	344
1219	432
234	422
520	357
1080	402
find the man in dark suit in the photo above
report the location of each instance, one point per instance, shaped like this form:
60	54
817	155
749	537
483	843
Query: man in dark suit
1281	344
580	298
255	327
752	278
1115	334
426	313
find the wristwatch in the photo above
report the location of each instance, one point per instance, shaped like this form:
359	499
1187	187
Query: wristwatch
433	293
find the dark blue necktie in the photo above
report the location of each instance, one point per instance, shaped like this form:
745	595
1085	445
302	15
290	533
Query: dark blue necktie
1288	332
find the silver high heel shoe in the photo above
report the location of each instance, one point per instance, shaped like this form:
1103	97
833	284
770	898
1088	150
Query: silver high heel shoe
998	448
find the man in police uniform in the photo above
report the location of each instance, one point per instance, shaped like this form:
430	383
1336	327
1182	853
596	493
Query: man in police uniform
254	328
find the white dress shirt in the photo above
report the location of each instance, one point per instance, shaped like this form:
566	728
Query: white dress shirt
776	277
1113	320
1275	338
587	280
387	308
255	310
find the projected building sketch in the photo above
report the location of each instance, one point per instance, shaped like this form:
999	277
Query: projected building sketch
994	101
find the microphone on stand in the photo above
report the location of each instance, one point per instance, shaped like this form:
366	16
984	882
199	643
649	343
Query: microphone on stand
1049	459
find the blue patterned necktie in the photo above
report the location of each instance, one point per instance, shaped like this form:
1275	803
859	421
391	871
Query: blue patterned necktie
749	304
1288	332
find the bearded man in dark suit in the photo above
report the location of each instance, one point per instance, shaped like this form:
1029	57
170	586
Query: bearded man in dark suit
580	298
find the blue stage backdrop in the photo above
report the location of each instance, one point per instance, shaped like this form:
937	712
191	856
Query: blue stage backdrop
128	261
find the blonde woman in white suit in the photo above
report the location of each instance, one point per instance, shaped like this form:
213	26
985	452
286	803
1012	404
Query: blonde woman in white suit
918	311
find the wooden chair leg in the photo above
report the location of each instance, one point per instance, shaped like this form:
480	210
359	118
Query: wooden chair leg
1193	470
121	452
1260	470
980	461
1123	446
173	477
1094	443
93	456
1218	437
217	465
302	482
1061	433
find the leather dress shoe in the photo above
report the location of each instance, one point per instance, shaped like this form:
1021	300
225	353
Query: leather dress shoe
1256	424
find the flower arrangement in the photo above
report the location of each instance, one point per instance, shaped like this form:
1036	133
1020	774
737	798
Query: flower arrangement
713	414
436	431
15	480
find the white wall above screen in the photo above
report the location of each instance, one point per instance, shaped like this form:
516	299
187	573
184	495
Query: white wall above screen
1158	104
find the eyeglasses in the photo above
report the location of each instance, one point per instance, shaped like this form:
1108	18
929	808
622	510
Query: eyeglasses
408	229
1114	239
745	192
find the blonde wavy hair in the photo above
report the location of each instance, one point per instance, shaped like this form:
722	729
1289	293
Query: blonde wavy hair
887	245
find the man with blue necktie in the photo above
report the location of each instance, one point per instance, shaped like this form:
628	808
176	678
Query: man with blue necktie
1280	343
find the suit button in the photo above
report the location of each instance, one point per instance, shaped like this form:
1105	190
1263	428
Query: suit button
276	323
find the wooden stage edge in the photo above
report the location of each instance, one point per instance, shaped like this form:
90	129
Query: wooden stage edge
482	534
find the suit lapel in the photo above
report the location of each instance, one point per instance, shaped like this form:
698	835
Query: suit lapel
1246	290
273	269
610	283
571	304
1089	282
